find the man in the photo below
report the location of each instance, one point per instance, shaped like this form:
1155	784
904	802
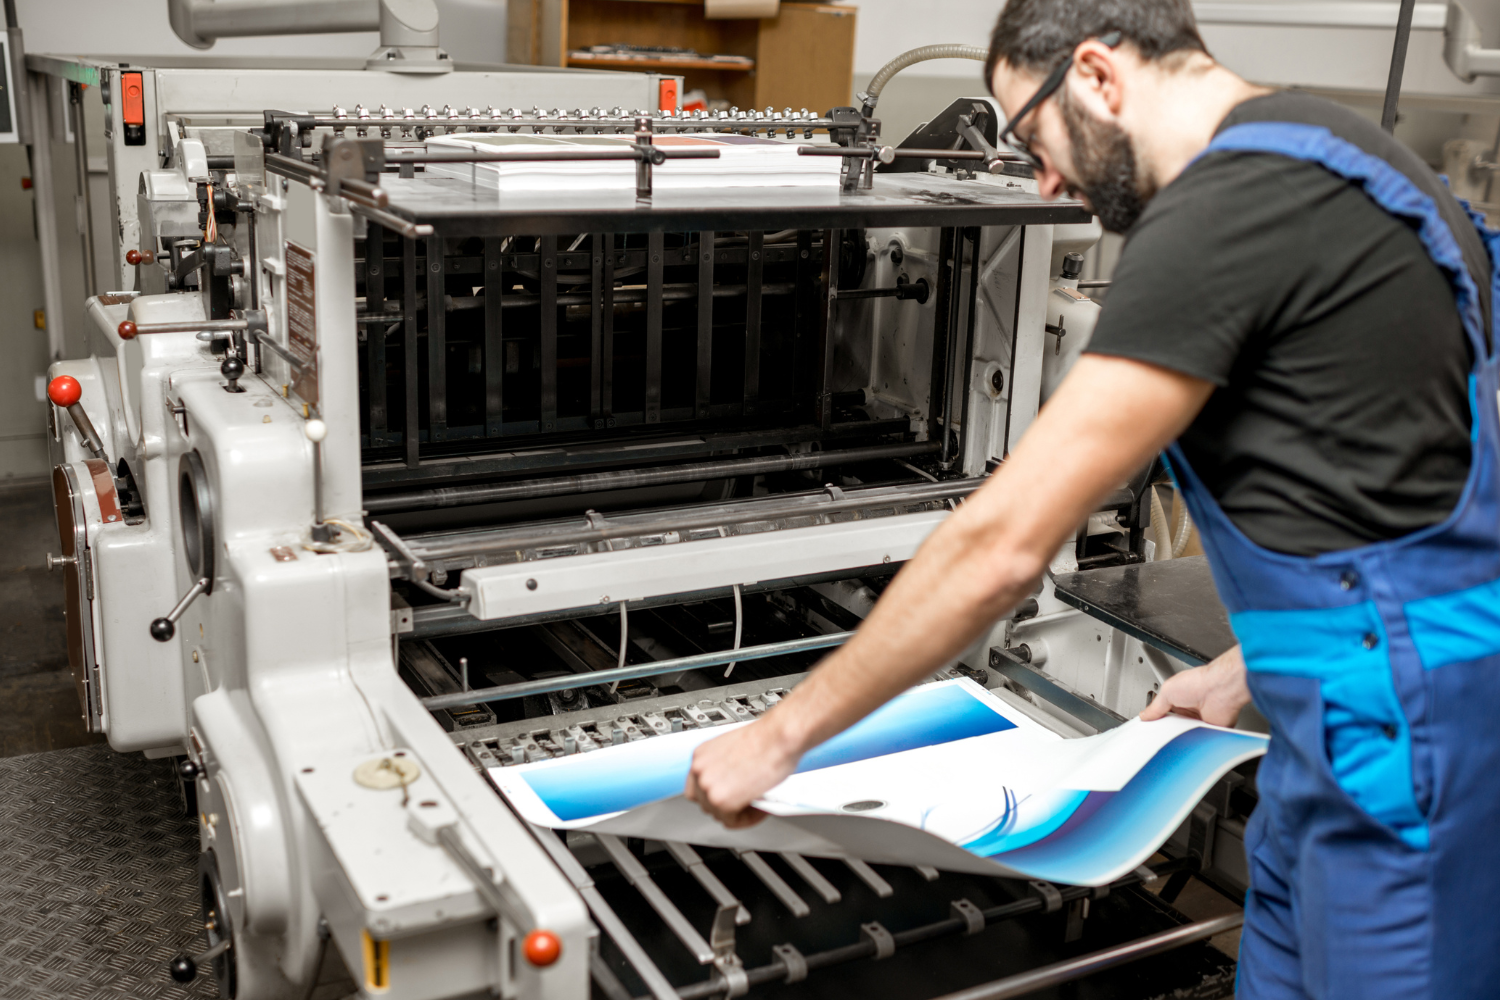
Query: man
1301	306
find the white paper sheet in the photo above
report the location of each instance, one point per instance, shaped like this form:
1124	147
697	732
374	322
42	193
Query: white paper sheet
743	161
946	775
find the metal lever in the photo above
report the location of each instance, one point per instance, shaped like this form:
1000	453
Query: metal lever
184	968
1059	331
65	392
162	629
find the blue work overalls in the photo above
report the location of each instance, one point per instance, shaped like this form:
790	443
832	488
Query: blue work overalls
1374	853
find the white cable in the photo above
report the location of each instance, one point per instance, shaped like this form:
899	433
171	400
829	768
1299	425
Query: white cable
1184	525
624	641
351	538
739	625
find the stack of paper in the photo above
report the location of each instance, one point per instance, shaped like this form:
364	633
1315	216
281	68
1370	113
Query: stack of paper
945	775
743	161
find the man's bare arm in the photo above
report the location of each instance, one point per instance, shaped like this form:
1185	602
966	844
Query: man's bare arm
1106	420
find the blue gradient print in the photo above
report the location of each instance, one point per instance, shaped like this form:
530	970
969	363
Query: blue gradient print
594	785
1113	826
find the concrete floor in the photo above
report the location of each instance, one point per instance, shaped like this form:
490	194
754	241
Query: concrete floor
38	704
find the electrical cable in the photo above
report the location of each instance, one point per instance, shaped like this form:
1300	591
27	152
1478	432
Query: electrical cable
739	626
357	540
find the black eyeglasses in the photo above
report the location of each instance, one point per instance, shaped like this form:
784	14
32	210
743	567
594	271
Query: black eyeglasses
1047	89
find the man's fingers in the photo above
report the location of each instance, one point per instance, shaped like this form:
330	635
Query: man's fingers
747	817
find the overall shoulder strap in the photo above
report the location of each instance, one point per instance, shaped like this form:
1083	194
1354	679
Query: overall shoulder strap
1389	188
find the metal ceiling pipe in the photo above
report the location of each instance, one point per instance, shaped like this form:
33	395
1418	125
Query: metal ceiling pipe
408	28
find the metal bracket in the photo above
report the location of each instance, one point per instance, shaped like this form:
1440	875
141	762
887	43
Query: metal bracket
796	965
885	944
721	940
970	914
1083	708
1051	898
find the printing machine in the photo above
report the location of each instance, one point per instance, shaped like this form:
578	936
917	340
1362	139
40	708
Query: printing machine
370	470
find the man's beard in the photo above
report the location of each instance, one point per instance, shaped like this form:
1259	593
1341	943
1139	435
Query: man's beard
1105	161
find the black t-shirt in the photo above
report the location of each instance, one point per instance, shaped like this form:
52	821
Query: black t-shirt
1341	415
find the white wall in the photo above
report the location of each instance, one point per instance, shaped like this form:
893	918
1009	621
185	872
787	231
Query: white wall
471	31
1309	54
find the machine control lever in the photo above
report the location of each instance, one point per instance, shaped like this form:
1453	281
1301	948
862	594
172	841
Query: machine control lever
184	968
162	629
64	391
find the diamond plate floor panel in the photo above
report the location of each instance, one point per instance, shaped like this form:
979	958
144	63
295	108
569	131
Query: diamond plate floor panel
97	878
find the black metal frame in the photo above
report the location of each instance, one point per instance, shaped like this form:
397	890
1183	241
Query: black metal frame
497	368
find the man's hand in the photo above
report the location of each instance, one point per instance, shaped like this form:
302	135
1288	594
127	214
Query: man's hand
734	770
1214	693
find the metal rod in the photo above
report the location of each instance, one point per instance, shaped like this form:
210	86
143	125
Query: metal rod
405	227
411	434
654	270
606	918
471	543
955	285
754	272
833	240
437	344
675	292
1398	66
193	326
462	496
965	384
1015	337
528	156
547	252
507	692
693	864
494	339
81	157
637	875
607	356
1084	965
812	877
778	885
264	339
512	119
375	339
1095	283
705	358
597	253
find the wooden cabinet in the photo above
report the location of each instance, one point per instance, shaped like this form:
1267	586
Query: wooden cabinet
802	58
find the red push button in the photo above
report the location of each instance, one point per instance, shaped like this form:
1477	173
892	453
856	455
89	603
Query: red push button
542	948
132	102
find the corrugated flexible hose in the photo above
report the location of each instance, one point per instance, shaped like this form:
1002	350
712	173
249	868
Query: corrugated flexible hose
922	54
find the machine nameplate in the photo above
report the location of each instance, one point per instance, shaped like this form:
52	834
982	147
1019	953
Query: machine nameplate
302	320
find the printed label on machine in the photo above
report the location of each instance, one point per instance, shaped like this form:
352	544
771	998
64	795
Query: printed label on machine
302	321
946	775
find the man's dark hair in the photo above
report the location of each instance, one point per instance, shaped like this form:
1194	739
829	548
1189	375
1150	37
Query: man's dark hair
1037	35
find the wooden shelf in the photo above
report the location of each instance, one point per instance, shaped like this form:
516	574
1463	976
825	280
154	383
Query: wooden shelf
665	63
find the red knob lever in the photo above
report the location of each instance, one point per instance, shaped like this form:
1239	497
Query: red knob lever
126	330
541	948
64	391
133	257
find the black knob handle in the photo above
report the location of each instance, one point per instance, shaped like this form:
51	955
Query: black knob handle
183	969
1072	265
162	630
189	768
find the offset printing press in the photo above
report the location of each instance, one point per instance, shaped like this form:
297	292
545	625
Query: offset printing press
379	473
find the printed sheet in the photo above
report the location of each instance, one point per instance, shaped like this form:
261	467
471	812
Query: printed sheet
946	775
